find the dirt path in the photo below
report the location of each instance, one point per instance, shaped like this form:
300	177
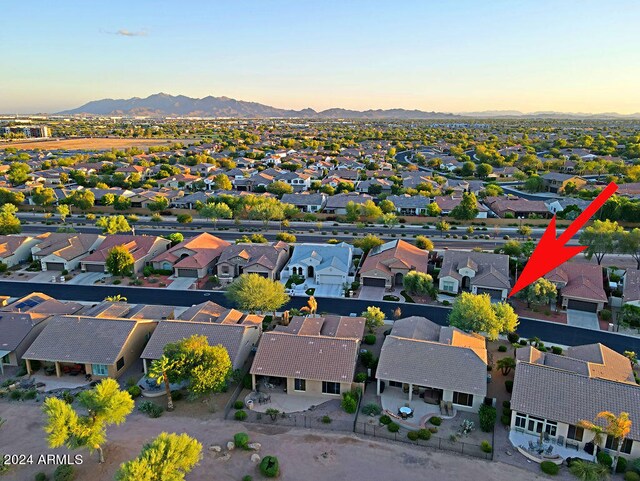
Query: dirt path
303	454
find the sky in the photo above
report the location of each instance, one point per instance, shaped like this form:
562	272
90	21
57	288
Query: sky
448	56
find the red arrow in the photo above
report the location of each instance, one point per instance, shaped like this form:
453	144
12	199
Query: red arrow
552	252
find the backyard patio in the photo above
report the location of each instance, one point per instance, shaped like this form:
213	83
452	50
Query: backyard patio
393	400
536	450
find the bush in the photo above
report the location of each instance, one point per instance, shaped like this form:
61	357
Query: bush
134	391
247	478
556	350
238	404
370	339
326	419
605	459
485	446
631	476
487	416
64	472
349	403
502	348
435	420
505	419
247	382
605	314
506	404
522	342
621	467
184	218
240	415
371	409
413	435
513	337
30	394
549	467
509	385
151	409
393	427
361	377
269	466
41	477
424	434
177	395
384	419
241	440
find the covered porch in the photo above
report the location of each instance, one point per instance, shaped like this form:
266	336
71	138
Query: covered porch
538	449
393	399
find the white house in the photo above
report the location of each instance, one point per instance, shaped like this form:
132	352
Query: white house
321	263
15	249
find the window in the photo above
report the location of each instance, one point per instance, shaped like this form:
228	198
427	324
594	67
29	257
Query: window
120	364
395	384
550	428
575	432
300	384
330	387
225	269
99	369
612	444
5	359
462	398
447	286
521	421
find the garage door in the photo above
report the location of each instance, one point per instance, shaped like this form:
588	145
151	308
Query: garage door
188	273
325	279
582	305
94	268
55	266
494	293
372	281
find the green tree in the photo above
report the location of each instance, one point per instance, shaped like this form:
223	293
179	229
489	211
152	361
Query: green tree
222	182
119	261
467	209
387	207
184	218
433	209
524	231
601	238
9	222
588	471
468	169
121	203
369	210
373	317
476	313
113	224
506	364
512	248
159	370
175	238
389	220
82	199
618	427
424	243
169	457
534	184
9	197
279	188
158	204
541	292
267	210
442	226
368	242
286	237
108	199
105	404
63	211
419	283
18	173
491	190
252	292
352	211
484	170
216	211
43	196
630	244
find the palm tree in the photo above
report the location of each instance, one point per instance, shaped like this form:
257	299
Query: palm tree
506	364
311	307
598	434
158	371
116	298
588	471
619	428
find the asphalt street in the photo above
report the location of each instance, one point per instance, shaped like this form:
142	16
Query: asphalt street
547	331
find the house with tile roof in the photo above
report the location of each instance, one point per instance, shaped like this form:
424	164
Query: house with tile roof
580	286
337	204
266	260
237	332
311	356
631	287
15	249
557	182
194	257
387	264
306	202
406	204
96	346
516	207
321	263
449	202
433	364
58	251
475	272
143	248
553	393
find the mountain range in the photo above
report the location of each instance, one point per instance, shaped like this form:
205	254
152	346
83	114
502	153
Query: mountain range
165	105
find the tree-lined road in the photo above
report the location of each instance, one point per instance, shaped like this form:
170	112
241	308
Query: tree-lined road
547	331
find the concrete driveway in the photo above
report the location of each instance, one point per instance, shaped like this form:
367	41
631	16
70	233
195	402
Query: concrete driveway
587	320
87	278
181	283
371	293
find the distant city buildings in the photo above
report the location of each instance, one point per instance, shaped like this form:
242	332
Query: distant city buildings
29	131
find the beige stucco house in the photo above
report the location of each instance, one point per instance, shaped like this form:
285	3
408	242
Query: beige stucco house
475	272
266	260
61	251
388	264
15	249
195	257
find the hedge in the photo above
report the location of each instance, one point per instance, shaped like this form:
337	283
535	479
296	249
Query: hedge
549	467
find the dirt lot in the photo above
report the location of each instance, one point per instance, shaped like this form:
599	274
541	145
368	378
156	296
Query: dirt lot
88	143
303	454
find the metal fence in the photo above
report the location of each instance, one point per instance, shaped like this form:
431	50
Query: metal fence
435	442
